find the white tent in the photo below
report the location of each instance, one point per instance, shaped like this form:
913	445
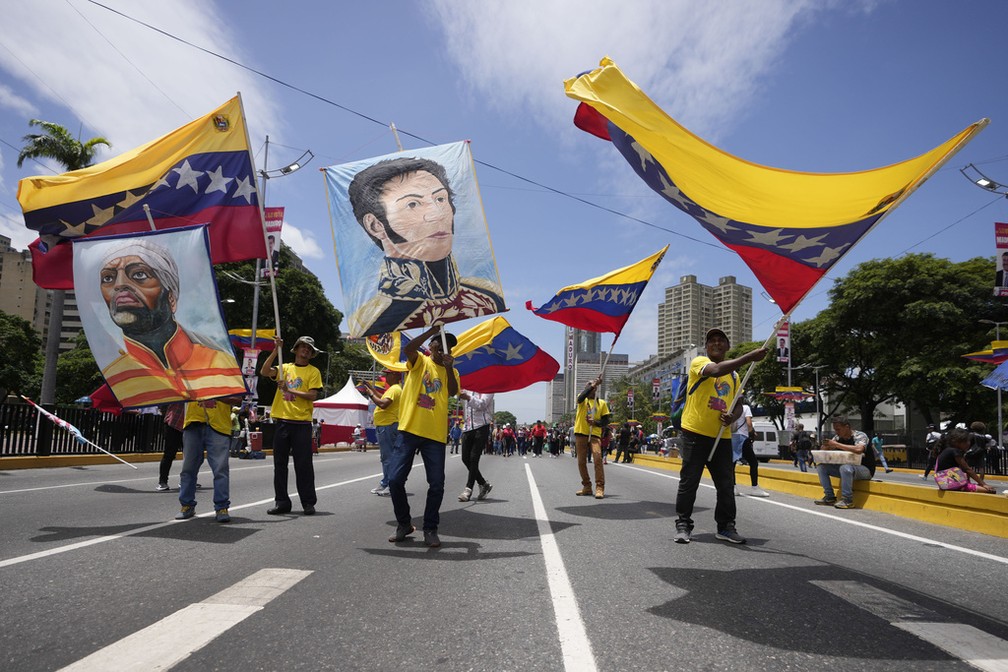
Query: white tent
341	413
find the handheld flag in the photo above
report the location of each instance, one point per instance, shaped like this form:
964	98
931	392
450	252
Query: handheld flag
60	422
789	227
493	357
196	174
242	339
996	354
603	303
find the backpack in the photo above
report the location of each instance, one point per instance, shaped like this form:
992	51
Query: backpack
804	441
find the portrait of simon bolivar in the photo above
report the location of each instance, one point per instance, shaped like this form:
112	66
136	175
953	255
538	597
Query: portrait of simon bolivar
406	208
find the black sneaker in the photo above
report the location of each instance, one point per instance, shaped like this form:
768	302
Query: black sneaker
278	510
730	535
826	501
431	539
401	532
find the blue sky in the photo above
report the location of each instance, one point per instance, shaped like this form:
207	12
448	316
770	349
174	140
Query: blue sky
804	85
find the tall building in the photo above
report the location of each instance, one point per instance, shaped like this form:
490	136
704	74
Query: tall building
19	295
583	359
690	309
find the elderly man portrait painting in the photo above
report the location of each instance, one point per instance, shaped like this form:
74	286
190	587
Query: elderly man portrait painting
408	207
159	361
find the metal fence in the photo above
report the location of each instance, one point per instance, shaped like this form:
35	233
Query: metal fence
23	431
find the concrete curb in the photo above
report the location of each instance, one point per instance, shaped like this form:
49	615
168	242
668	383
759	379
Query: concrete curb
973	511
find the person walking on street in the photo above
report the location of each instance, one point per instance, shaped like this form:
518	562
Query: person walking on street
298	386
423	424
742	448
709	413
932	442
592	415
876	444
477	419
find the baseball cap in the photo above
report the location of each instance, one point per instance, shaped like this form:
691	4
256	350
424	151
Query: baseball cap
714	331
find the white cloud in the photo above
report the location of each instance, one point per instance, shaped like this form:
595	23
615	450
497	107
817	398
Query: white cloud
302	242
702	62
19	105
111	91
12	226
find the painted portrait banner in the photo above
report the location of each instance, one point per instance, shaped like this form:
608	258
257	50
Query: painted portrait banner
152	316
413	246
1001	257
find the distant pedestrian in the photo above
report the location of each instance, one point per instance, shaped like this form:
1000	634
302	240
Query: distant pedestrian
592	415
801	444
932	443
742	448
454	434
876	444
478	418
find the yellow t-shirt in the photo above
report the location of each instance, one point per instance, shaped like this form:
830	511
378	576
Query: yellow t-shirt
423	409
302	379
702	413
218	415
383	417
587	411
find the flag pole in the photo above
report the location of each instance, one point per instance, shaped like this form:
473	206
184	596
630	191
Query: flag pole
745	379
56	420
262	219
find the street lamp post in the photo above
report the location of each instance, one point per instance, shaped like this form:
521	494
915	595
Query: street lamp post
997	337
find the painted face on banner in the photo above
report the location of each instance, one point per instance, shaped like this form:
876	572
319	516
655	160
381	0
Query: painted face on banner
135	297
417	209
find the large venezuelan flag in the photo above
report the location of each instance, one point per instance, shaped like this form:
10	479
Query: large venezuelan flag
789	227
200	173
603	303
493	357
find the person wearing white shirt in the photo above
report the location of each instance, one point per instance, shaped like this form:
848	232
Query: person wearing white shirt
742	448
477	420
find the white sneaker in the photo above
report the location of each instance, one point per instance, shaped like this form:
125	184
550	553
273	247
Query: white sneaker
756	491
376	491
382	491
465	495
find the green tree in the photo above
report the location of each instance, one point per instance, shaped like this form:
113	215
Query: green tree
643	406
505	417
896	329
20	346
304	311
77	373
58	144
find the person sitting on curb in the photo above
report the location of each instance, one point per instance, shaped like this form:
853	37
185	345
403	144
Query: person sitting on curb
853	442
952	472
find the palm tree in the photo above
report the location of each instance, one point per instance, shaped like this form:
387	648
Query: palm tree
58	144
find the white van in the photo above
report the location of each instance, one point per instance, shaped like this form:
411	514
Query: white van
765	442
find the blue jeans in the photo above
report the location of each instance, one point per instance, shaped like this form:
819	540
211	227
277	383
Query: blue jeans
847	473
388	438
196	438
433	454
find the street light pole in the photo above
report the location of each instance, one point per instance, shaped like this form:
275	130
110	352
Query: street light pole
997	337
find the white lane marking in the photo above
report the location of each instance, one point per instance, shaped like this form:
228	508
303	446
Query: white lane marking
971	645
574	642
156	526
849	521
976	647
174	638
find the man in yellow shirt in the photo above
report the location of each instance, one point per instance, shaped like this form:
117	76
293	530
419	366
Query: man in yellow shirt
592	415
386	421
206	427
298	386
712	386
423	425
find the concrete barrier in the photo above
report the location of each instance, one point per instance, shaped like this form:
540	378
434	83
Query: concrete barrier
973	511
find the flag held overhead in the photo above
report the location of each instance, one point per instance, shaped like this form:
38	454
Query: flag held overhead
602	304
493	357
200	173
789	227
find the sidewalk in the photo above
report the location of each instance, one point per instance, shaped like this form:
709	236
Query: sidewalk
973	511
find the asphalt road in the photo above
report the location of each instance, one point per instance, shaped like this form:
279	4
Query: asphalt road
95	574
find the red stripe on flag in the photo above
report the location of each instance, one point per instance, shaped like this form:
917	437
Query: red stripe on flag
786	281
590	120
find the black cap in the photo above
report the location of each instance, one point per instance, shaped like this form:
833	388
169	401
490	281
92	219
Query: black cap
714	330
